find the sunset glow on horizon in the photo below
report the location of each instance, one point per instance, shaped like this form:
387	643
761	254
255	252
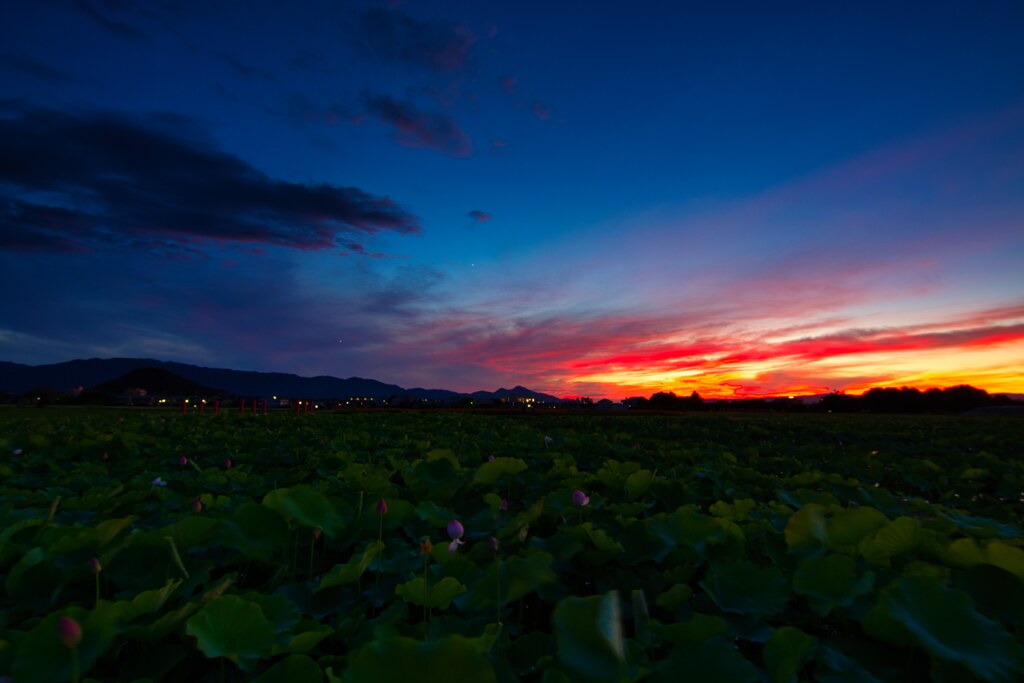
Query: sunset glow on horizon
605	202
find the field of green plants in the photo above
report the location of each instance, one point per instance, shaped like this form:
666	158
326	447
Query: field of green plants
365	547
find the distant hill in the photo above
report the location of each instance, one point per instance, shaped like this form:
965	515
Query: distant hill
62	377
154	381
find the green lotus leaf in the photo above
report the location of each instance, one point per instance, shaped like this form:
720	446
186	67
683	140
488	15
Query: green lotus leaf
638	483
309	636
899	536
257	531
943	620
438	595
588	637
738	510
965	552
437	479
41	658
996	593
438	660
832	666
492	471
711	662
92	538
350	572
805	531
697	629
144	603
292	669
277	608
520	576
307	506
674	596
786	652
830	581
232	627
983	527
746	588
850	527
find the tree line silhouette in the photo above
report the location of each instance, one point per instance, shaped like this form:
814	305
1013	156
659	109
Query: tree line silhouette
951	400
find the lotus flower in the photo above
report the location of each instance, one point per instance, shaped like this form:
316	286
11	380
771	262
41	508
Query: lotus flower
580	499
382	507
158	482
455	532
197	505
94	565
490	458
69	632
227	464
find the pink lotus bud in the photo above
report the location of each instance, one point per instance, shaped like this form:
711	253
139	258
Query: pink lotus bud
495	544
227	464
455	529
580	499
94	565
382	507
183	460
490	458
503	505
69	632
197	505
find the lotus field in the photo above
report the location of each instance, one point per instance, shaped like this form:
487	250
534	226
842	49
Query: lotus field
145	545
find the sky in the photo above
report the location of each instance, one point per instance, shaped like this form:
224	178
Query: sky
602	199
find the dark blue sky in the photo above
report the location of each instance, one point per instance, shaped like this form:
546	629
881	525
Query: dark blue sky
587	198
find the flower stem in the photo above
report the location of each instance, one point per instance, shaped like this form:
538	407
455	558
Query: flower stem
74	665
312	546
380	554
97	575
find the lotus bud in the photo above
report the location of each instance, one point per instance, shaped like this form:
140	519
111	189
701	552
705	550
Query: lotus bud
69	632
495	544
580	499
17	451
455	532
197	505
382	507
105	457
94	565
227	464
183	460
503	505
490	458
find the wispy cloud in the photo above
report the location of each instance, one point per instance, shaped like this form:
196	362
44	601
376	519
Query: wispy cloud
117	28
419	129
34	68
73	182
479	216
396	36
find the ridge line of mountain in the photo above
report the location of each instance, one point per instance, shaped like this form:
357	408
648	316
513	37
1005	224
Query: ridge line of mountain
17	378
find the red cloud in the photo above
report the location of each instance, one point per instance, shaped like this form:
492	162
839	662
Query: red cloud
415	128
